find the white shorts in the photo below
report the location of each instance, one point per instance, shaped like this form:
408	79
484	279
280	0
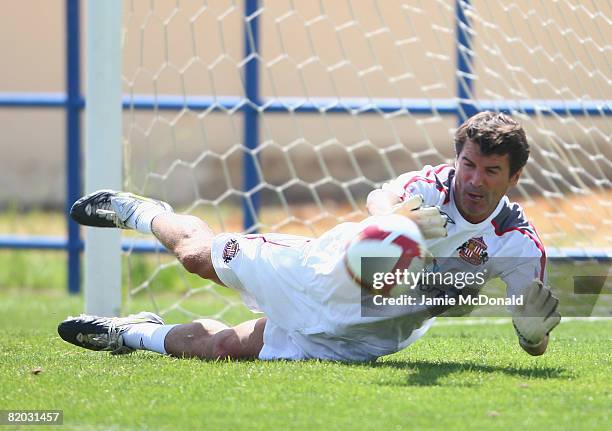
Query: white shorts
313	307
241	264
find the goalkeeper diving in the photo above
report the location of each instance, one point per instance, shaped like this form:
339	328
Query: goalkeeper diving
311	306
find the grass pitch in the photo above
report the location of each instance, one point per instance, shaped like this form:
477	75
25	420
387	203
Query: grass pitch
456	377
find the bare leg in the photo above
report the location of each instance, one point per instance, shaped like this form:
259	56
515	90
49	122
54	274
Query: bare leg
211	339
190	239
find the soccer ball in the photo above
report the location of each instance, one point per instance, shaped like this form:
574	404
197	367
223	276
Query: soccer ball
400	248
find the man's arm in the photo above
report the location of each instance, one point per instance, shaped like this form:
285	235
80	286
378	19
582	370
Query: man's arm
382	202
534	320
431	222
535	350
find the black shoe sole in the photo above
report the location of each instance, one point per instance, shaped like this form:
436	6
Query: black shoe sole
70	329
78	214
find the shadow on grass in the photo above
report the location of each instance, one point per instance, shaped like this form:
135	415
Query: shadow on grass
427	373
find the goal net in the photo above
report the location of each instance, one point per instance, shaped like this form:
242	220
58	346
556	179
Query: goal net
287	114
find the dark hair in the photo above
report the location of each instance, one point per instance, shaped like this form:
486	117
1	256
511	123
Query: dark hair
495	133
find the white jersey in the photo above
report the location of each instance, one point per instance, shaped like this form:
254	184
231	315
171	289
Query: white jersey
506	233
314	308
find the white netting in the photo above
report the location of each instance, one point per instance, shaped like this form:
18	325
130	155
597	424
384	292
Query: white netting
317	168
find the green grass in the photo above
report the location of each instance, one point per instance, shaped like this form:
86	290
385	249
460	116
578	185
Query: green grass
456	377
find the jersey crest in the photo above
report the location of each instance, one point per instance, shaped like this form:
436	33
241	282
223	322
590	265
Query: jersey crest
474	251
230	250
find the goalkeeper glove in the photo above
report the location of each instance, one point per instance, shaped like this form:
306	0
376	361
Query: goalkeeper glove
430	220
537	316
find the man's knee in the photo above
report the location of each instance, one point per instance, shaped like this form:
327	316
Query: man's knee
194	253
226	344
196	260
243	341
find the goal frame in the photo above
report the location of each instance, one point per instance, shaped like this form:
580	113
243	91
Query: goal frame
103	160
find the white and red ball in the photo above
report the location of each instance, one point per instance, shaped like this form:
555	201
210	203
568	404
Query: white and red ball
394	237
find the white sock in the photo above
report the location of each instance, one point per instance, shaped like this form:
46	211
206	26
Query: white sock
143	218
138	214
147	336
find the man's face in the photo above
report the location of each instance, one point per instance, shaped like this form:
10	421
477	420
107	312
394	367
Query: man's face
480	182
